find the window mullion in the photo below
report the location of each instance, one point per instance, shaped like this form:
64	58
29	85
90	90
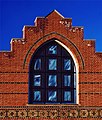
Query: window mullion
56	69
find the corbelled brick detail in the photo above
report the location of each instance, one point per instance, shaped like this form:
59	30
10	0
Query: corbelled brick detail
14	64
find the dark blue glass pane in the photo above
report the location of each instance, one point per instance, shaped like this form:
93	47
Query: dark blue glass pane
37	80
52	80
37	64
67	80
37	96
53	49
67	96
67	64
74	80
52	64
52	96
74	96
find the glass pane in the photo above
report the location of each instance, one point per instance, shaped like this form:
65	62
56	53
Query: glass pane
37	80
37	96
53	49
74	80
74	96
52	80
67	80
74	69
67	96
67	64
52	96
52	64
37	64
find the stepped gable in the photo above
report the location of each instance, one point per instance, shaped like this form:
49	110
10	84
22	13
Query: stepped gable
54	25
15	72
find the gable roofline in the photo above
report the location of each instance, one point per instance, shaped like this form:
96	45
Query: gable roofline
49	14
37	18
56	12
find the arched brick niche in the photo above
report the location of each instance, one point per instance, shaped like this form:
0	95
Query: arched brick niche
75	67
62	40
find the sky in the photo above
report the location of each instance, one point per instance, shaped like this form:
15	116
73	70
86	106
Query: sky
14	14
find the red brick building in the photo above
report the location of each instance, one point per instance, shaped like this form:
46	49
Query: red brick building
51	73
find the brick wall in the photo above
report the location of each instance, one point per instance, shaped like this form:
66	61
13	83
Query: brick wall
14	65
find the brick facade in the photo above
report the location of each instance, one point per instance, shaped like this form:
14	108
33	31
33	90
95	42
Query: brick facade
14	72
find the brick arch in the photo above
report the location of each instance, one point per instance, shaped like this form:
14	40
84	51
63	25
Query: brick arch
73	48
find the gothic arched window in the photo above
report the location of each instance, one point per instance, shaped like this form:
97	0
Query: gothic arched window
52	75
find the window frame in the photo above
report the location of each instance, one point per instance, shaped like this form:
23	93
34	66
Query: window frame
59	73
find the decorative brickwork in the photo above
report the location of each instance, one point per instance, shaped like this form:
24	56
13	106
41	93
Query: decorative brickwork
14	72
51	112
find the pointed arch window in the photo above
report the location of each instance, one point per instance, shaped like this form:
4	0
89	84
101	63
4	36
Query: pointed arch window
52	75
